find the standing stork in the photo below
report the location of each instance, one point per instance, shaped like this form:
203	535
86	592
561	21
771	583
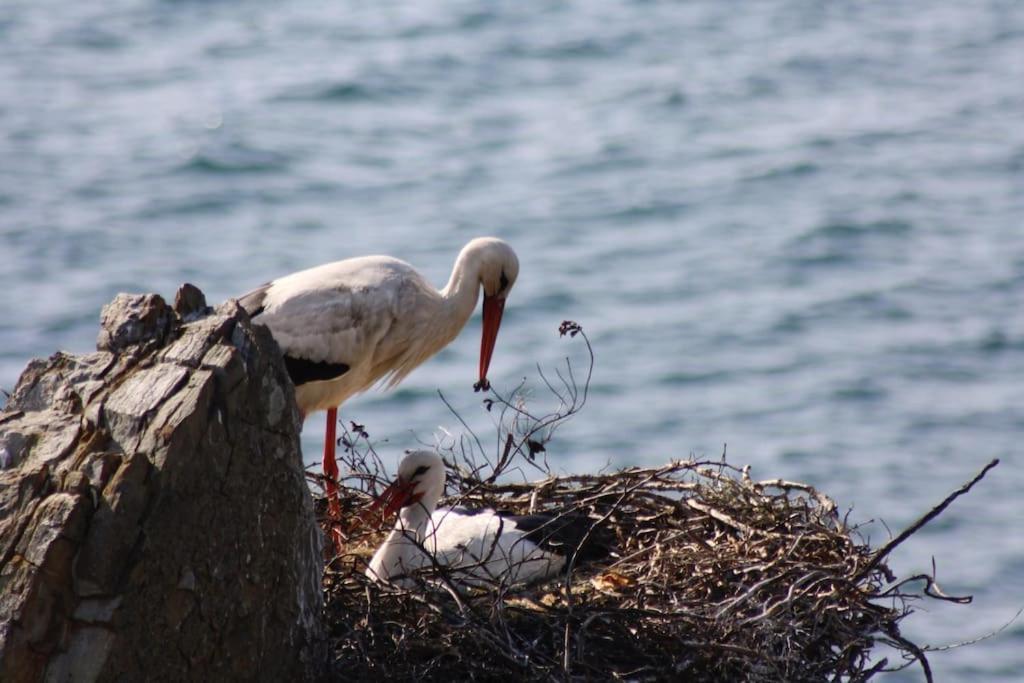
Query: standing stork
344	326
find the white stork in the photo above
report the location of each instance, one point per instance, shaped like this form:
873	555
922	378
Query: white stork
346	325
478	548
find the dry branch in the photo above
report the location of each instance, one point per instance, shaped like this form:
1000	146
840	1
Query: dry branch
884	551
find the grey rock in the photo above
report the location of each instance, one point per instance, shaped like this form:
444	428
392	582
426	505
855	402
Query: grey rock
155	522
190	303
131	320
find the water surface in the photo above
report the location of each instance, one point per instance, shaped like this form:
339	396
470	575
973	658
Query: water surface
792	227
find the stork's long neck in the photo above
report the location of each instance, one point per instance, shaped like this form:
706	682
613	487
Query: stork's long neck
463	288
402	551
414	518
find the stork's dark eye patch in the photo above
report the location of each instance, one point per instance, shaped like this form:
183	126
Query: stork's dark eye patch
422	469
503	281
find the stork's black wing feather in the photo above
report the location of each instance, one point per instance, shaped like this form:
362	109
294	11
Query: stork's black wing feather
302	371
564	534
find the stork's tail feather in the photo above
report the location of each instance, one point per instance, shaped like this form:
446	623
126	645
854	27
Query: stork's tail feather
253	301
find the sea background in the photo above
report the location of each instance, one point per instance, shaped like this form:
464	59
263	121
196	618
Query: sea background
792	227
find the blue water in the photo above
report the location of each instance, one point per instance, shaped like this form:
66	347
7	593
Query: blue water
792	227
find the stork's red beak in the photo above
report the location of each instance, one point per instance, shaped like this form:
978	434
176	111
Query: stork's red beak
493	308
395	497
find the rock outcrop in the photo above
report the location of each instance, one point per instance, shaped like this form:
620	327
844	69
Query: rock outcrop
155	523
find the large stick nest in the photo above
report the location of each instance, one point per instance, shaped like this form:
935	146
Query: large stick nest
710	576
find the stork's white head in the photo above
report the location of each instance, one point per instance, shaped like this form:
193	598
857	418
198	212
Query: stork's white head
499	265
420	482
498	268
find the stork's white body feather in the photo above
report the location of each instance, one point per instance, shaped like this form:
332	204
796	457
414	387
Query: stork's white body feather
376	315
481	549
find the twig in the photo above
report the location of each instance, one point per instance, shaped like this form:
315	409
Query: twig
932	514
972	641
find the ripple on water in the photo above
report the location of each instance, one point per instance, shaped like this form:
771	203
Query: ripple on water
345	92
679	379
553	300
842	231
401	395
578	48
92	37
872	305
214	203
654	210
997	341
66	323
799	169
234	157
862	390
846	243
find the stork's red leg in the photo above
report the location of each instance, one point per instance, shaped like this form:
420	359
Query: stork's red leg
331	465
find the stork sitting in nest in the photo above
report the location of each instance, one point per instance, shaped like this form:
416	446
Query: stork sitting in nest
473	547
